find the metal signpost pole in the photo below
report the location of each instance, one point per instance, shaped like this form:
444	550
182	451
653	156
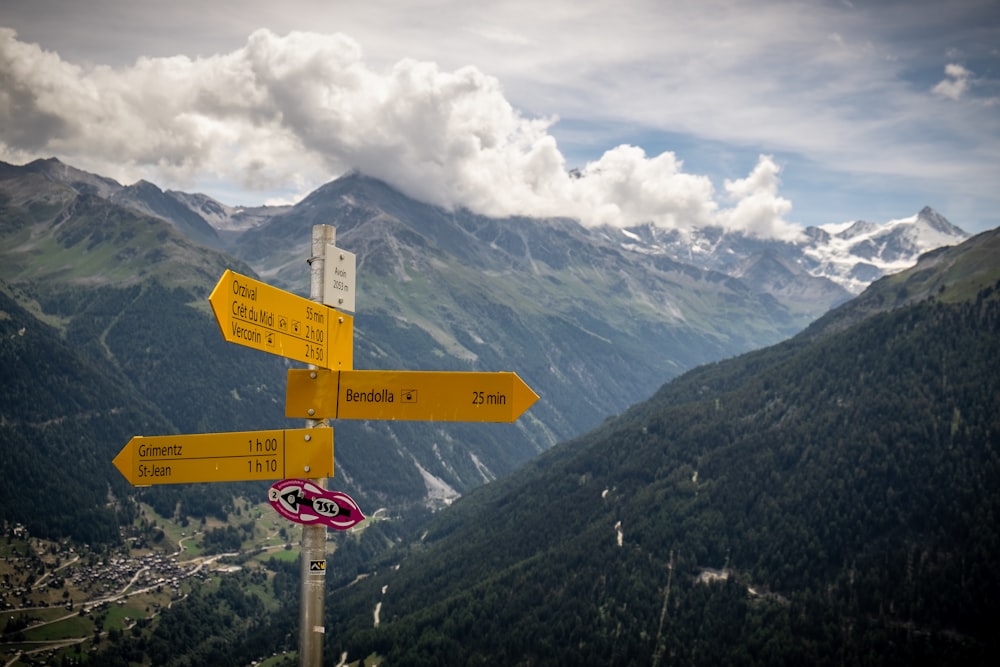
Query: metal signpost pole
313	557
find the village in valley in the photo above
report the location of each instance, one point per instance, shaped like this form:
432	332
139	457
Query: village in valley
59	598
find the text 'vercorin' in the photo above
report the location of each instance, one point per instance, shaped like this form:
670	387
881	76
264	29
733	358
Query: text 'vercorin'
244	333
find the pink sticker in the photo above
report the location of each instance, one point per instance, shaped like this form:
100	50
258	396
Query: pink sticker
302	501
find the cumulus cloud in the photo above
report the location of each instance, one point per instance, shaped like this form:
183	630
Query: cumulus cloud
291	112
955	83
626	185
758	209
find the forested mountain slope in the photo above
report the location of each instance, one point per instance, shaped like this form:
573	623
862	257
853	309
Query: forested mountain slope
107	334
61	419
830	500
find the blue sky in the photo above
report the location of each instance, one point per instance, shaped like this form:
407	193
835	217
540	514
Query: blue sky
762	115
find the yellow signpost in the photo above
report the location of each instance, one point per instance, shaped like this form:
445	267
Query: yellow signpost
227	457
407	395
265	318
258	315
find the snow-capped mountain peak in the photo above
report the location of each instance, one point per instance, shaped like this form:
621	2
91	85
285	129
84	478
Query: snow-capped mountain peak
827	265
854	254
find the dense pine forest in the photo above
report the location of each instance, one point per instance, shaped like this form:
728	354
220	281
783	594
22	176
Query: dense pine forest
828	501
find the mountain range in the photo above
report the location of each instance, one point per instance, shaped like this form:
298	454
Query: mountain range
850	254
593	320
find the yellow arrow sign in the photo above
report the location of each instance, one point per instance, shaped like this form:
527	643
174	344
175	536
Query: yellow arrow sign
257	315
407	395
227	457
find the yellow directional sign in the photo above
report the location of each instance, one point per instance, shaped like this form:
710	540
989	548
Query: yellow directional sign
227	457
257	315
407	395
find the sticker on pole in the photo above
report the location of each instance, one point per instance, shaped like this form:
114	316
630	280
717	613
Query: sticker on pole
301	501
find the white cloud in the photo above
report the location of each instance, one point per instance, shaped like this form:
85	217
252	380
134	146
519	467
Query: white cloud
626	187
291	112
955	83
758	209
